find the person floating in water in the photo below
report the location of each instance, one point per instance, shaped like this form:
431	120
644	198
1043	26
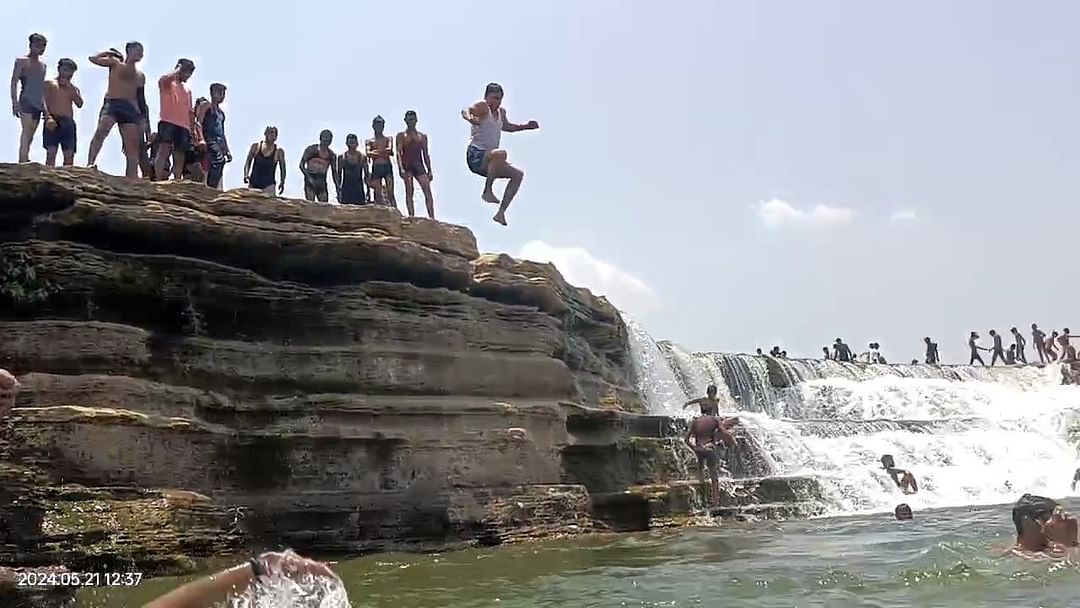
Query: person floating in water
483	155
975	348
61	97
1020	343
998	350
1043	525
28	102
903	512
902	478
704	438
263	160
317	161
710	405
414	162
932	357
1038	338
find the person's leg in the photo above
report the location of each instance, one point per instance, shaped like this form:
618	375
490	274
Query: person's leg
50	156
389	188
1020	356
104	127
494	163
376	191
217	165
994	357
309	192
410	191
429	200
515	175
179	159
69	142
130	134
29	122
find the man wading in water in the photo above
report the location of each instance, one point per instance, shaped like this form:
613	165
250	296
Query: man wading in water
415	163
704	438
483	155
710	405
263	159
28	105
318	160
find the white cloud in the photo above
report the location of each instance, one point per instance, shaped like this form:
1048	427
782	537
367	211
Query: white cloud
581	268
777	213
902	215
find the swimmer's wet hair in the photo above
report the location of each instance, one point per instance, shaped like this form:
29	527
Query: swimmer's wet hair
1038	508
35	37
66	61
493	87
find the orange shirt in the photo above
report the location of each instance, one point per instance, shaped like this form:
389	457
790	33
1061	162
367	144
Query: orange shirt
175	103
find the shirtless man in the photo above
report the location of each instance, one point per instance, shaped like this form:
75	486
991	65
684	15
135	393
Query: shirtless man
932	357
975	348
9	389
1038	338
1050	347
125	105
710	405
998	350
1043	525
262	160
902	478
414	162
483	155
707	433
1020	343
380	151
61	97
176	125
318	160
28	105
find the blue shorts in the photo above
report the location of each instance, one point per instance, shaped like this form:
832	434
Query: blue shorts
63	136
27	108
476	159
122	111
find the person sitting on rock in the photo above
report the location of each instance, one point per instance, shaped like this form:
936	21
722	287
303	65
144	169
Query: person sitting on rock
9	389
710	405
902	478
704	438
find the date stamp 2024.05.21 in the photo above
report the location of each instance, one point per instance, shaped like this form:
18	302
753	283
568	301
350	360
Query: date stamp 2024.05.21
77	579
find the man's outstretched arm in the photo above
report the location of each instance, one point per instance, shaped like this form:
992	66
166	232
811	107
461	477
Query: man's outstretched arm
510	127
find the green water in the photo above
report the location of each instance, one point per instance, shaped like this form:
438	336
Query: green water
950	557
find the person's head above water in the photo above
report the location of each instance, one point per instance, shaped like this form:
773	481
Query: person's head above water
711	391
887	461
903	511
1030	516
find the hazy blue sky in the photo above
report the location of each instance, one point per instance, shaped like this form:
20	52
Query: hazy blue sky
733	174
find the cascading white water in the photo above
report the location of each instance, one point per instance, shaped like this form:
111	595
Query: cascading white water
970	436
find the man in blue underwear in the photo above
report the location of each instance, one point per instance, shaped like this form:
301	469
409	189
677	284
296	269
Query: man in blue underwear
483	155
125	106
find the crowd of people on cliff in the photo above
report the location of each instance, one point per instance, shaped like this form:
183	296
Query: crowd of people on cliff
190	141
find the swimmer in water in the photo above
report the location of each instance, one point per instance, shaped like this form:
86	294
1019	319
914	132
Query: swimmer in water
317	161
710	405
1043	525
704	437
903	512
902	478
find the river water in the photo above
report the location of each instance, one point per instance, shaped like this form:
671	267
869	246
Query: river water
947	557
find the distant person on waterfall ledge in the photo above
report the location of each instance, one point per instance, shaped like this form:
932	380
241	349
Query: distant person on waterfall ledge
483	155
710	405
903	479
932	357
704	438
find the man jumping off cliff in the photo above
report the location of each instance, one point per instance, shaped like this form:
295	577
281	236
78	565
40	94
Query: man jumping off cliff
707	433
483	155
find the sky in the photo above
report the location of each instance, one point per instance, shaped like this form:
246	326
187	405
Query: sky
732	175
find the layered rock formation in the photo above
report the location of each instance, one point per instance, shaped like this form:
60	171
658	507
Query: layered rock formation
206	371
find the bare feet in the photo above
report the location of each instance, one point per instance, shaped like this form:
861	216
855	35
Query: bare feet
500	219
490	197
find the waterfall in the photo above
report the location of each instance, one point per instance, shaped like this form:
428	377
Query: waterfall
970	435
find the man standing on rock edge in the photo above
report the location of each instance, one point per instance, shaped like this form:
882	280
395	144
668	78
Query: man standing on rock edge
707	433
212	119
483	155
28	105
9	389
62	97
177	119
124	106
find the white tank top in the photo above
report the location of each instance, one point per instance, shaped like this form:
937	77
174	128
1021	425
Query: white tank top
486	135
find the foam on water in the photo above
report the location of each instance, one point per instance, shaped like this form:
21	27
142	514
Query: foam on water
970	436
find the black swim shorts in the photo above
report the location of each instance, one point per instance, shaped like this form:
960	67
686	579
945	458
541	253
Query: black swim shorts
63	136
122	111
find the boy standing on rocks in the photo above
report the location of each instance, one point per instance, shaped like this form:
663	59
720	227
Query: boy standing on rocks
62	97
28	104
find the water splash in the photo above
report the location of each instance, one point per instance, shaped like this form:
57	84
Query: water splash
293	590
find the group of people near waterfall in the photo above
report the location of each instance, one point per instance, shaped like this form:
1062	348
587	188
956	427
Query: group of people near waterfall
190	141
